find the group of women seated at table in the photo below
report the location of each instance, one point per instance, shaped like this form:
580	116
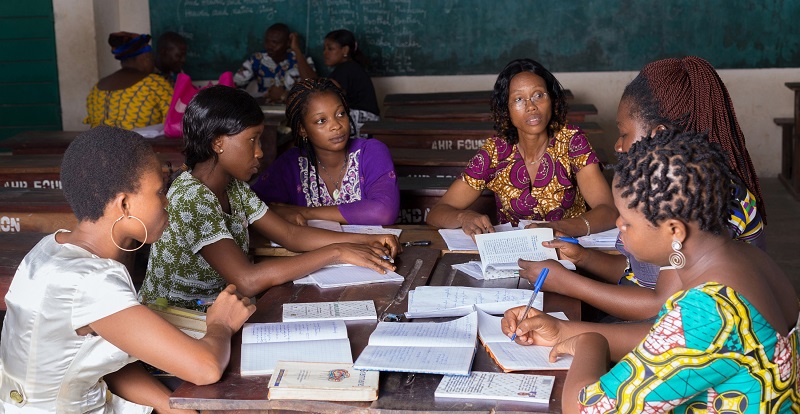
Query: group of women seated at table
716	319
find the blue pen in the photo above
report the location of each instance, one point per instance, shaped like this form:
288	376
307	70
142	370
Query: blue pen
202	302
568	240
536	288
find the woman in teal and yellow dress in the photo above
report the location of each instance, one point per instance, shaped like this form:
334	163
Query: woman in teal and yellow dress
132	97
727	341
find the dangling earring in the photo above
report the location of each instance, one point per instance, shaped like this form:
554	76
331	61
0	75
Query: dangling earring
143	240
676	258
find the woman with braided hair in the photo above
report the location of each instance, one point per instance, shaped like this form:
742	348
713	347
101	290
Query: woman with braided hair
670	94
329	174
728	340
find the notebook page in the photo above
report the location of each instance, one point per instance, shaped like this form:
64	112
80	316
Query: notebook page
260	359
502	250
511	355
457	240
433	360
328	277
293	331
346	310
364	229
460	332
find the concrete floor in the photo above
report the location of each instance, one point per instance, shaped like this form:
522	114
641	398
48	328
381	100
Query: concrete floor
783	230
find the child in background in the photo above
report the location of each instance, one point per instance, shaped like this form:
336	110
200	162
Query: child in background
277	67
211	207
727	341
327	174
349	63
659	99
170	56
74	330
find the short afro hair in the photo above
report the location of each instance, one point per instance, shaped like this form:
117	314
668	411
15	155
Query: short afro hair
678	175
101	163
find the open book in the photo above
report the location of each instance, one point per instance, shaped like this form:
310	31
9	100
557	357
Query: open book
346	311
440	301
429	347
322	381
347	275
500	251
457	240
264	344
511	356
497	386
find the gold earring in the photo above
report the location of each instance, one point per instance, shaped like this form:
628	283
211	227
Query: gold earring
143	240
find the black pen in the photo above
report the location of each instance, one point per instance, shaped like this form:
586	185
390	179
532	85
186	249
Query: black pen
417	243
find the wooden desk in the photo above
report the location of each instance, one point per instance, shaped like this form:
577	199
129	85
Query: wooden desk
420	162
34	210
399	392
13	248
419	194
442	98
44	170
443	135
468	112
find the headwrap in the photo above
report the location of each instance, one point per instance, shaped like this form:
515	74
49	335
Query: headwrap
126	45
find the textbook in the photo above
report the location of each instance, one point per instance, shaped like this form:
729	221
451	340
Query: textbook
428	347
264	344
497	386
511	356
347	275
322	381
189	321
474	268
346	311
441	301
500	251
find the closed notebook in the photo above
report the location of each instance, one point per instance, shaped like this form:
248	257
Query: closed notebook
511	356
497	386
264	344
322	382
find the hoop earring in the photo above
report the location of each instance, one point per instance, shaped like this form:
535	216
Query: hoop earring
112	233
676	258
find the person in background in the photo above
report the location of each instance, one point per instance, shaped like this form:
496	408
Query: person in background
132	97
74	330
539	167
277	67
727	341
328	174
670	94
170	56
211	208
349	63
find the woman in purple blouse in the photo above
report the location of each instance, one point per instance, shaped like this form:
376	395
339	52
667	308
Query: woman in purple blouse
539	167
329	175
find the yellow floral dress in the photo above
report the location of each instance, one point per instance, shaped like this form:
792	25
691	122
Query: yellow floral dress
144	103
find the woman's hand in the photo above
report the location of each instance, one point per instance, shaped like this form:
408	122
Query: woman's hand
373	256
290	213
559	279
575	253
276	93
570	346
538	328
474	223
294	41
230	310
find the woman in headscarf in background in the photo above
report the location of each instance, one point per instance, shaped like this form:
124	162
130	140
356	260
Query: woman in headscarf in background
133	96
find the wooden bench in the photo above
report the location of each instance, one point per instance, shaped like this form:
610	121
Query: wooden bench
419	194
44	170
790	156
13	248
443	98
34	210
417	162
444	135
470	113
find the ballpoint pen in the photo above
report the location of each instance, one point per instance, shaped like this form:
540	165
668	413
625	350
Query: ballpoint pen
568	239
417	243
536	287
203	302
387	258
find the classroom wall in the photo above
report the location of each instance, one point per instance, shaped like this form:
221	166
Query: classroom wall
758	94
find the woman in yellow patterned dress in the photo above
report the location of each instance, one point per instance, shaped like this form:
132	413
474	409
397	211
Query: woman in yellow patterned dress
132	97
539	167
727	342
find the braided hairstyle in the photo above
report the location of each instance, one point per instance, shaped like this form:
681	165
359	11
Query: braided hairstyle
296	110
678	175
499	103
688	95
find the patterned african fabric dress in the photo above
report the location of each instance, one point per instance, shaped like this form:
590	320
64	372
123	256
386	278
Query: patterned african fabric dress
368	193
268	73
710	351
552	195
144	103
744	224
176	270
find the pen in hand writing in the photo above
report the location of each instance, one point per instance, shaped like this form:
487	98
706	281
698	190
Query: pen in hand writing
536	288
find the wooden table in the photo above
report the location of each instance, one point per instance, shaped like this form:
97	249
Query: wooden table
480	112
440	98
399	392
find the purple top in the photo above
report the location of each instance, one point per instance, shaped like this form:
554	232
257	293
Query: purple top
368	195
552	195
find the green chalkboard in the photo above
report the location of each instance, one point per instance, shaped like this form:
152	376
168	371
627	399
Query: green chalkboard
450	37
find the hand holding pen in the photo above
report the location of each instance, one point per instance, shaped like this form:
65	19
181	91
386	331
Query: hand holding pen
536	288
